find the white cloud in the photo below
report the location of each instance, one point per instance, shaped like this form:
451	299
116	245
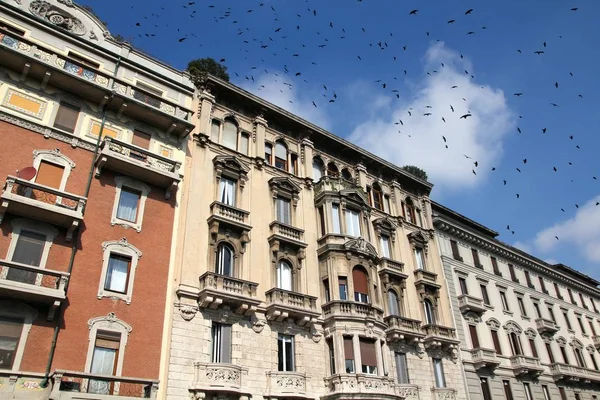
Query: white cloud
479	136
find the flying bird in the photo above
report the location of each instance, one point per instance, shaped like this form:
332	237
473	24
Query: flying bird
413	12
466	116
469	11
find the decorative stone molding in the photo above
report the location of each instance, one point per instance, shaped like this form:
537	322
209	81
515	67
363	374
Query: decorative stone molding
472	317
258	325
318	335
188	312
385	226
530	333
513	327
561	341
112	324
283	186
576	343
231	166
591	349
493	323
62	19
360	245
418	239
119	247
143	189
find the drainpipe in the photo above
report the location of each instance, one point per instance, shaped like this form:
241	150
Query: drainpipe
45	381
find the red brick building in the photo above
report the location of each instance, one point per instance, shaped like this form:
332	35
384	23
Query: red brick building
91	135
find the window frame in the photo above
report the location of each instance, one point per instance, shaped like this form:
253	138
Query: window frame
429	312
349	213
377	194
438	372
220	345
336	228
504	301
286	163
385	246
401	372
15	309
279	277
284	200
527	390
57	158
217	266
123	248
222	187
317	165
133	185
282	339
485	296
71	105
522	308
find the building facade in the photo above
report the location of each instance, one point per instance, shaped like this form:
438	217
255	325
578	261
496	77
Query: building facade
528	330
91	135
306	267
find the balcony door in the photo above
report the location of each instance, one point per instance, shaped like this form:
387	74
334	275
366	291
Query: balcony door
224	265
49	174
284	275
104	361
28	251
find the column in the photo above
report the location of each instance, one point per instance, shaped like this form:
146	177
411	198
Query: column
207	101
338	350
397	198
362	175
357	357
307	149
260	130
379	357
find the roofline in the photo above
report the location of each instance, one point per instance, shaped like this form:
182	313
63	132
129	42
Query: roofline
461	218
426	185
575	273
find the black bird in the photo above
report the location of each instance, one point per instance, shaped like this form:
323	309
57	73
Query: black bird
539	52
465	116
554	104
518	94
413	12
544	130
556	85
469	11
451	21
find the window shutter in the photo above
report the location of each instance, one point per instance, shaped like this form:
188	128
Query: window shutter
402	368
141	139
359	278
348	348
226	344
49	175
367	352
10	327
496	341
66	117
474	336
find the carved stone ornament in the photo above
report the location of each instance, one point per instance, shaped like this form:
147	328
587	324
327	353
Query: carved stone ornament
493	323
282	186
513	327
188	312
316	335
111	319
420	350
258	325
58	17
68	3
360	245
591	349
561	341
454	355
530	333
418	239
576	343
123	243
233	167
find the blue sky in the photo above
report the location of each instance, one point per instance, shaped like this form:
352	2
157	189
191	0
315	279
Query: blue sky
368	114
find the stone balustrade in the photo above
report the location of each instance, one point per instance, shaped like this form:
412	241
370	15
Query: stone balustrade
484	358
526	365
348	384
402	328
217	289
545	325
351	309
84	385
286	383
471	303
282	304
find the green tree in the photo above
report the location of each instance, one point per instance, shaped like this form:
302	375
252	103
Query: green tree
207	65
416	171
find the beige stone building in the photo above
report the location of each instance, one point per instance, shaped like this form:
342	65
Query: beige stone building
306	267
528	329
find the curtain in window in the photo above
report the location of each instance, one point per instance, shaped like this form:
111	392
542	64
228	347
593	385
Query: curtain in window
116	274
317	167
230	135
227	191
224	260
128	204
429	315
28	250
244	139
438	370
384	243
393	305
352	223
335	215
283	211
419	259
284	276
103	363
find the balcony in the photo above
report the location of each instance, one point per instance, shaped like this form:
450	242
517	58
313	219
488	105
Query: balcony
468	303
352	385
22	385
426	278
40	285
407	391
286	384
138	162
83	385
352	310
221	213
545	325
218	379
525	365
402	328
439	336
560	371
217	290
596	340
392	268
281	232
335	185
484	358
443	394
282	304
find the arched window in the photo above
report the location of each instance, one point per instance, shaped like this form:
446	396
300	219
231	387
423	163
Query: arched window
317	166
281	156
377	196
410	214
224	264
393	304
230	134
332	170
284	275
429	312
346	174
515	343
361	285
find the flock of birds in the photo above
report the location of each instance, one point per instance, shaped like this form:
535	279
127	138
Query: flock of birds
278	46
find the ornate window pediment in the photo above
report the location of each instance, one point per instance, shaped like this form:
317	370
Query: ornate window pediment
360	245
576	343
493	323
231	167
356	196
385	226
561	341
513	327
591	349
418	239
285	187
472	318
530	333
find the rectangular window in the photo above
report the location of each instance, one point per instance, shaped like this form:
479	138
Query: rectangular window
353	223
563	353
343	285
283	211
550	353
402	368
527	388
66	117
495	266
349	355
515	344
455	250
28	251
563	393
388	205
522	306
269	153
12	29
474	336
243	145
215	129
546	392
551	313
567	321
369	197
322	220
331	352
581	326
542	285
129	201
221	343
419	258
145	87
536	307
49	174
513	275
504	301
485	388
368	357
579	358
533	347
582	300
462	283
10	334
557	290
141	139
384	243
496	341
484	294
594	306
285	349
528	279
476	261
591	322
117	273
335	215
104	360
507	390
438	371
227	191
326	290
294	164
594	362
571	296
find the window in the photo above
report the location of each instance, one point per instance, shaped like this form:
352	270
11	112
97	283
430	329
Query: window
462	282
567	321
563	393
377	197
591	322
476	261
215	129
269	153
581	326
571	296
429	312
221	343
230	131
496	341
317	169
402	368
393	304
582	300
243	146
507	390
10	336
367	356
484	294
127	208
594	306
104	361
551	313
50	174
227	191
522	306
141	139
528	279
536	308
384	243
485	389
527	389
504	300
349	355
284	275
130	202
388	204
513	276
361	285
594	362
117	273
285	351
281	156
533	347
322	220
410	211
294	164
139	84
474	336
438	371
343	285
515	344
28	250
352	223
224	263
335	215
331	352
326	290
419	257
66	117
546	392
455	250
120	261
542	285
550	353
495	266
579	358
563	352
346	175
283	208
332	170
557	290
